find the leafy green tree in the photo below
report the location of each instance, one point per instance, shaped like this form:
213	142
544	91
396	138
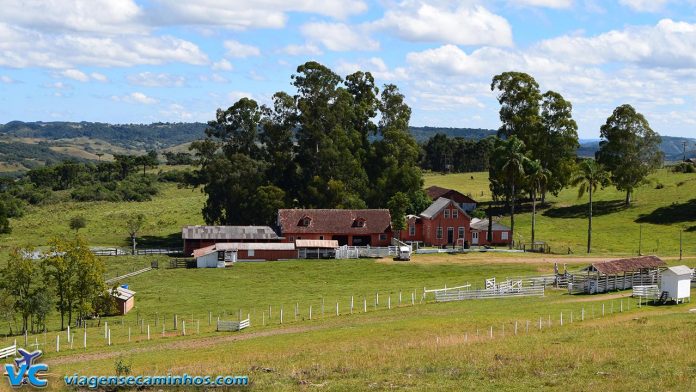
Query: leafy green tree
519	98
398	208
537	178
134	223
19	279
89	283
7	307
148	160
4	221
78	222
60	272
630	149
509	172
590	176
268	200
41	304
237	128
558	144
278	125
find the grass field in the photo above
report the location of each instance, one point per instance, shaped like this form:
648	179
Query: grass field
425	346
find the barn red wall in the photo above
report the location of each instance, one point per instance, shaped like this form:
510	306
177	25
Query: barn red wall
430	227
267	254
374	238
497	238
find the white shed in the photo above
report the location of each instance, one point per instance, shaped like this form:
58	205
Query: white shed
676	281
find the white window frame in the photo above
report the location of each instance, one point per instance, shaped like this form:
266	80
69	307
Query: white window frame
438	233
250	252
412	230
461	232
447	213
455	213
504	235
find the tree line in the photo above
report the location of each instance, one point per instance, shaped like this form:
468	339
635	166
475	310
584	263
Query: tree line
535	152
67	278
336	143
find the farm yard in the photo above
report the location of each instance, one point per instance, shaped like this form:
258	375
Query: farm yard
385	343
441	345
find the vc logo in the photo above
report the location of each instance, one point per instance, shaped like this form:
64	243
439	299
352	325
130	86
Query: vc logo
24	371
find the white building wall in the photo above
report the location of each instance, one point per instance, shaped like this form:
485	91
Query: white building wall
207	261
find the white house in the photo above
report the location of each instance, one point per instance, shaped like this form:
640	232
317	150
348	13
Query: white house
676	281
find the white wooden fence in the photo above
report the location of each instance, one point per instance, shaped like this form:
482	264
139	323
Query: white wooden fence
9	351
507	288
354	252
648	291
116	279
231	326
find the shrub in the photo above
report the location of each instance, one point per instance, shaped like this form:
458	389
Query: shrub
659	185
96	192
684	167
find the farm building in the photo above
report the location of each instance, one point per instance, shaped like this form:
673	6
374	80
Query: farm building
347	227
445	223
675	283
619	274
501	234
316	249
467	203
216	255
125	299
196	237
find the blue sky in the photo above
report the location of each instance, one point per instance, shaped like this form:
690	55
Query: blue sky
133	61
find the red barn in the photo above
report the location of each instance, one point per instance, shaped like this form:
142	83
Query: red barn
196	237
479	233
445	223
348	227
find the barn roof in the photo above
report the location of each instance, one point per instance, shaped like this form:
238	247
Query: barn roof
243	246
228	233
334	221
438	205
123	293
678	270
316	244
482	224
615	267
435	192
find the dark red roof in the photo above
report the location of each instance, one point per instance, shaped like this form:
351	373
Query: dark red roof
334	221
615	267
435	192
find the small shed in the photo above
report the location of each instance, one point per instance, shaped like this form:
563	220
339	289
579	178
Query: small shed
216	256
125	299
619	274
316	249
676	282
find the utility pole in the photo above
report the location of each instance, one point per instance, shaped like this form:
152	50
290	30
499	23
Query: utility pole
684	143
640	241
681	231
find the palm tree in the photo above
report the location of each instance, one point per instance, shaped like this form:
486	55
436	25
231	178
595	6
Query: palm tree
588	178
512	153
537	178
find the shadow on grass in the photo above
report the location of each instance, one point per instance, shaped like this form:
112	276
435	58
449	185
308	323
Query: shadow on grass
674	213
599	208
169	241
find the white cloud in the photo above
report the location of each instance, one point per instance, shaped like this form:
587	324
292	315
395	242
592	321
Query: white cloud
136	97
240	50
151	79
102	16
644	5
241	15
75	75
465	25
668	44
6	79
558	4
234	96
214	77
376	66
302	50
99	77
222	65
338	36
21	48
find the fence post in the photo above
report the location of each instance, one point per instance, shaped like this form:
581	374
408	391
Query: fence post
106	328
399	297
491	332
148	332
602	310
176	323
129	334
527	329
561	319
336	308
109	336
621	306
162	328
376	299
281	314
364	305
84	338
69	339
183	327
310	312
582	314
539	323
351	304
413	298
57	343
389	302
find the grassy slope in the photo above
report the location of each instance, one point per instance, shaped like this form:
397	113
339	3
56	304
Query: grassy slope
615	229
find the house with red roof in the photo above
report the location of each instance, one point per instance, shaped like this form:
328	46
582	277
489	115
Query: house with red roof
347	227
467	203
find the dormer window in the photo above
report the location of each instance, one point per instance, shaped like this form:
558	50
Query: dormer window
360	222
304	222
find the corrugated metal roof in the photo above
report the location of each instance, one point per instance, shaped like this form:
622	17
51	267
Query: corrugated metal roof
228	233
438	205
123	294
316	243
482	224
615	267
679	270
243	246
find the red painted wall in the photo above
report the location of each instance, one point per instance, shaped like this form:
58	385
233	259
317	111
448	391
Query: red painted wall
267	255
374	238
430	227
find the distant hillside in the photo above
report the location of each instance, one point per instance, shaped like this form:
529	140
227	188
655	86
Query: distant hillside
424	133
130	136
672	147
